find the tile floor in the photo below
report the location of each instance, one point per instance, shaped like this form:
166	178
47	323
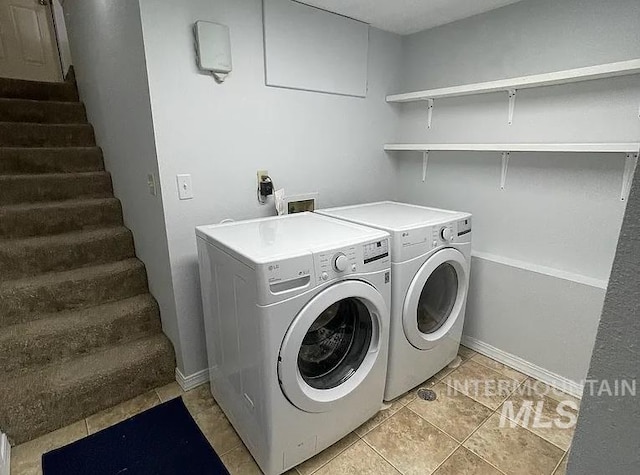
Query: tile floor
458	433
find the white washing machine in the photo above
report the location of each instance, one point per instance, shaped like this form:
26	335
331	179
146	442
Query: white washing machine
431	255
296	315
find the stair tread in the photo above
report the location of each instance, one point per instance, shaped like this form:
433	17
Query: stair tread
54	204
89	366
48	149
62	336
78	274
45	125
48	397
40	101
84	317
54	175
70	238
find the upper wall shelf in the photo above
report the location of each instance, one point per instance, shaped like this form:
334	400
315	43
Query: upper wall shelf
627	147
631	149
601	71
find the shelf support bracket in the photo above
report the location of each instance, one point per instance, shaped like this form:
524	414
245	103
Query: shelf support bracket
505	166
429	112
425	160
630	165
512	104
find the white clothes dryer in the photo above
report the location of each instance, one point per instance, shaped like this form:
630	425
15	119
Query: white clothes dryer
431	256
296	315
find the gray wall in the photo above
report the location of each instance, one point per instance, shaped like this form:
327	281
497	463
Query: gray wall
106	42
607	437
559	211
222	134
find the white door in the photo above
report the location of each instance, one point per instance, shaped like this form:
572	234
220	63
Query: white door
28	47
332	345
435	299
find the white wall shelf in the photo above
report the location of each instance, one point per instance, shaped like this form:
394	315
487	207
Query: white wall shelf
631	149
624	147
512	85
601	71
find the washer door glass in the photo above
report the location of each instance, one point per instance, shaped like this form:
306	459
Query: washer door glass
437	298
336	344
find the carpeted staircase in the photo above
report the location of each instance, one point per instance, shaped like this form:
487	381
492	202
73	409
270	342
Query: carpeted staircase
79	331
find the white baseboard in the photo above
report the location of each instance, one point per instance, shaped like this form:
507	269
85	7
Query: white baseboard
5	455
192	381
541	374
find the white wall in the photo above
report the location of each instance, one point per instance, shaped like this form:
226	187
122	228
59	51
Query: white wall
562	211
222	134
108	54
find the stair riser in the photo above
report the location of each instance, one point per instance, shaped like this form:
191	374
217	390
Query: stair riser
24	260
42	112
29	189
16	89
23	303
43	411
21	354
38	135
45	220
21	161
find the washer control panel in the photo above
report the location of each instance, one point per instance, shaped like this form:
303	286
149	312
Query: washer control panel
361	258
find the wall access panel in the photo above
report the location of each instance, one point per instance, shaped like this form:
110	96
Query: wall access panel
314	50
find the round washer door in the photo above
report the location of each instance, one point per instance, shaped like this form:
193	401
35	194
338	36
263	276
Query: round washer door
435	298
332	345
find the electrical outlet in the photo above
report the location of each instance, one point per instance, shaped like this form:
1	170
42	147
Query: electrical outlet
262	173
185	190
151	183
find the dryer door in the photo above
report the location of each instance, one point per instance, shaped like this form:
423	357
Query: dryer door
435	299
332	345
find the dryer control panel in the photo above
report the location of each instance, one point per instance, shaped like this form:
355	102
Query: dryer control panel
337	263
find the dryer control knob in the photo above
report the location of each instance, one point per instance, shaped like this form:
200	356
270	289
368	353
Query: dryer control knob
446	234
340	262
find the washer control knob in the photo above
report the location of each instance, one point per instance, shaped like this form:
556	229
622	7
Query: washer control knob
340	262
446	234
324	276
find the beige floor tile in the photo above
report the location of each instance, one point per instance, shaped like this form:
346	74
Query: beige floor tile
383	415
466	353
514	450
481	383
122	411
533	388
410	443
217	429
359	459
464	462
199	399
551	422
314	463
26	458
452	412
499	367
240	462
443	373
562	468
170	391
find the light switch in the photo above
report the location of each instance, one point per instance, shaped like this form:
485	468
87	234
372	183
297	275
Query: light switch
151	183
185	191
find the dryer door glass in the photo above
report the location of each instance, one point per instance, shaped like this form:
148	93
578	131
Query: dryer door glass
336	344
437	298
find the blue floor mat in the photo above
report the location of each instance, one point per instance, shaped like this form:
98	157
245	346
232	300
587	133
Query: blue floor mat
164	440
